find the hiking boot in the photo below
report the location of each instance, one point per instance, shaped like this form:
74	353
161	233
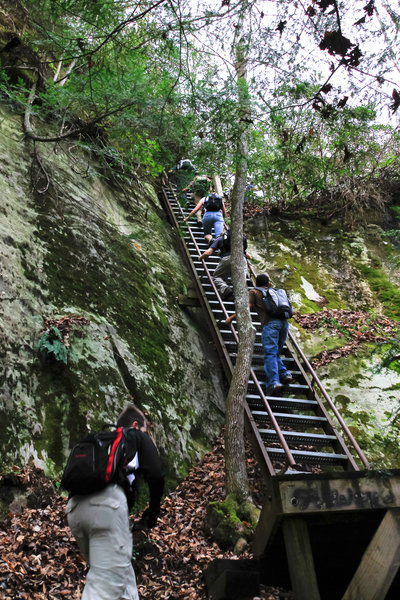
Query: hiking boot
287	379
274	390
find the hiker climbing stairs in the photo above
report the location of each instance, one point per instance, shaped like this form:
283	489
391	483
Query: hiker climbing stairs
296	430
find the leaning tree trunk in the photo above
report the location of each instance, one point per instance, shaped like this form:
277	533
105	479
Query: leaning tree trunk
235	462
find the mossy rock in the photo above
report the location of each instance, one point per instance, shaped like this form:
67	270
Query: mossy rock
229	523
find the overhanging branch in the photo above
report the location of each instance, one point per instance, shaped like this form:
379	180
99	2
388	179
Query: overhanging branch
57	138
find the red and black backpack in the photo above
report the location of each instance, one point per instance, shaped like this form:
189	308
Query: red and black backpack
97	460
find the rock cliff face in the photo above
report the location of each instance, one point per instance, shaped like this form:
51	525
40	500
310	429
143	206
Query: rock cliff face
97	264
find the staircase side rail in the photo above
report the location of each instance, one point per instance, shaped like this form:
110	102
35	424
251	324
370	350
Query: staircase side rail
259	448
219	343
329	401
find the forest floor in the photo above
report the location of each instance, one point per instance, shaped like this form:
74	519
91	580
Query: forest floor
39	559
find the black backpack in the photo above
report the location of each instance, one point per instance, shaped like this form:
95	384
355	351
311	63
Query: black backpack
226	242
276	303
213	202
97	460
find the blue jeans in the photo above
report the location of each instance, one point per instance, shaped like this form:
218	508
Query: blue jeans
213	219
273	337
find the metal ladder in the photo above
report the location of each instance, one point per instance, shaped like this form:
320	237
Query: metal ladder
296	431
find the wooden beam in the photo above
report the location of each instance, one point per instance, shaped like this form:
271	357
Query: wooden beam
300	559
218	185
187	300
380	561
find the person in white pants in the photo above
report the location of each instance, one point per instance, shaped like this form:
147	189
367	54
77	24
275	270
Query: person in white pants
100	521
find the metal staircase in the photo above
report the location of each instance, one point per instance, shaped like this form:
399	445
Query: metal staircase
297	431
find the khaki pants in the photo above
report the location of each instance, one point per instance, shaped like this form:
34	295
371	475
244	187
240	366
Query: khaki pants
221	274
100	524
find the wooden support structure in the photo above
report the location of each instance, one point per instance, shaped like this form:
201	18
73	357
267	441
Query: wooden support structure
300	559
334	536
380	562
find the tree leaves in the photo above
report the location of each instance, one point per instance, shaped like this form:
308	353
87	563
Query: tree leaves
396	100
335	42
369	8
325	4
281	26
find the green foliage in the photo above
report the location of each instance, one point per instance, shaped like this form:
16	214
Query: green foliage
50	344
111	63
333	323
304	151
172	99
387	293
391	355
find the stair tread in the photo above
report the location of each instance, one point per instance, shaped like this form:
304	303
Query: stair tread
309	456
300	435
295	403
309	419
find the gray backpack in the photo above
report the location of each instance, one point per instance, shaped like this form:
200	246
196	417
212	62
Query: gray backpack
276	303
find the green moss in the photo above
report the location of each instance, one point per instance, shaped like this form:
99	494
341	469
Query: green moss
288	268
387	293
228	522
117	285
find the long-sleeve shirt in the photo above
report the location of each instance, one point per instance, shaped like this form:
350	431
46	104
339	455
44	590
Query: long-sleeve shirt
146	462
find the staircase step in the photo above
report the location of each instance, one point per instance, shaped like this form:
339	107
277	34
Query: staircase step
291	388
298	438
259	371
311	458
255	402
261	416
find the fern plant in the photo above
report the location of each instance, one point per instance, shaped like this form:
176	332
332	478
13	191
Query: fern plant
50	345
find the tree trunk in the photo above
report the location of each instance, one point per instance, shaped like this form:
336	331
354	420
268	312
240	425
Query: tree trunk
235	462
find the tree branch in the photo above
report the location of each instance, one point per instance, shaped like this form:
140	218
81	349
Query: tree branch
56	138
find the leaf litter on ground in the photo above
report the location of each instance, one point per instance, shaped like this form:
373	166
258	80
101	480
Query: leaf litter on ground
40	560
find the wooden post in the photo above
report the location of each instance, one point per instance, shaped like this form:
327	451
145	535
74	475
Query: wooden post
380	562
218	185
300	559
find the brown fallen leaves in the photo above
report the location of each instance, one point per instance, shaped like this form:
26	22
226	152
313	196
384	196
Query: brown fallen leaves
39	560
356	327
65	326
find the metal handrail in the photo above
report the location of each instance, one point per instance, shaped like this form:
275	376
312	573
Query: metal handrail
330	402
